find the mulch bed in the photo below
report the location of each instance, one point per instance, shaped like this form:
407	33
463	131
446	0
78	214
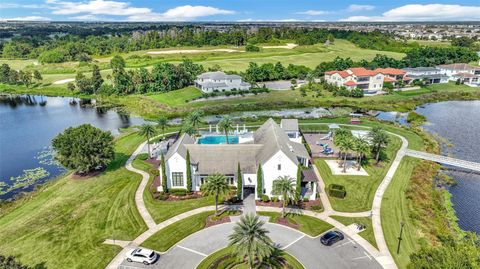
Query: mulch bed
155	162
88	175
212	222
285	222
171	197
308	205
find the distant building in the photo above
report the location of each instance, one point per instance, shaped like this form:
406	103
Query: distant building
394	75
431	75
368	80
467	74
219	82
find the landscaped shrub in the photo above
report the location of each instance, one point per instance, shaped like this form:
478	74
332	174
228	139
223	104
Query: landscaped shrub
178	192
143	156
154	172
316	207
274	199
306	199
265	198
336	190
162	196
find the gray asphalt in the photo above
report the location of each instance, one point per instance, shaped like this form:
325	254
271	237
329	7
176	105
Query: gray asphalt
188	253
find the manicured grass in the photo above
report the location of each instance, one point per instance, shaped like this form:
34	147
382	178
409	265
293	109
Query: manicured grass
175	232
309	225
367	234
163	210
65	222
228	259
360	189
177	97
396	208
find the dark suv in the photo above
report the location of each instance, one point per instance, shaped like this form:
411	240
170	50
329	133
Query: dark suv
331	238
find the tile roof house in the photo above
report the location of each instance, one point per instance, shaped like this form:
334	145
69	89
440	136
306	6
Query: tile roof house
394	75
369	81
272	149
219	81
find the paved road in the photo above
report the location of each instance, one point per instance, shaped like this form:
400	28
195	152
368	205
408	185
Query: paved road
188	253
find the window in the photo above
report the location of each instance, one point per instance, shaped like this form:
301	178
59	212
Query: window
177	179
279	167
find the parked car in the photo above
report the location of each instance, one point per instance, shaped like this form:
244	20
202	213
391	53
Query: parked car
331	238
143	255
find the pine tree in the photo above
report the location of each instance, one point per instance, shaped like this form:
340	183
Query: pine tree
239	182
189	173
97	79
259	182
164	175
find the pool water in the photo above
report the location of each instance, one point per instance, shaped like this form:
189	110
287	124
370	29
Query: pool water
217	139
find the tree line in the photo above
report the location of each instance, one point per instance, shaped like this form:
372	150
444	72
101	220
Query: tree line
14	77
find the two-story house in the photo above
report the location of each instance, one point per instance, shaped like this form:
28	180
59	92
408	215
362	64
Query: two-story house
219	81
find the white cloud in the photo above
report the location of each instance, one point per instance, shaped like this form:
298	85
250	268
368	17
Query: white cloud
89	17
277	20
98	7
314	12
429	12
15	5
26	18
353	7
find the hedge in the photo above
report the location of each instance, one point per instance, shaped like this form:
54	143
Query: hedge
336	190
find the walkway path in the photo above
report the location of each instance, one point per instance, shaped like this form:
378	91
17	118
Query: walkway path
382	255
444	160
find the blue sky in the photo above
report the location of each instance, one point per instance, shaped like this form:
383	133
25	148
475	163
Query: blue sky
239	10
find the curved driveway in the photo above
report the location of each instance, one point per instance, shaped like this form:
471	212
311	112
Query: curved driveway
188	253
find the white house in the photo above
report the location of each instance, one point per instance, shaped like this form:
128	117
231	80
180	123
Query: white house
368	80
271	149
431	74
219	81
467	74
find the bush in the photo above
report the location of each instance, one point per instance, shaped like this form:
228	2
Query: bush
252	48
162	196
265	198
337	191
274	199
143	156
316	207
178	192
154	172
306	199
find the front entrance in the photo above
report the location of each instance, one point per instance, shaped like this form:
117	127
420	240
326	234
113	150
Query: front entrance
248	200
247	190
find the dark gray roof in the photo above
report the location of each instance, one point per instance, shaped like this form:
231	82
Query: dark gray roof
420	69
308	175
289	124
432	76
179	146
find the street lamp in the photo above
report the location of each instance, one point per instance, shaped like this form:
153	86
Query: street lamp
402	223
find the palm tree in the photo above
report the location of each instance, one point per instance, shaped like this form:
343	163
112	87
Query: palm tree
251	240
195	118
379	140
188	128
216	185
162	122
339	136
148	131
284	186
345	146
226	124
362	149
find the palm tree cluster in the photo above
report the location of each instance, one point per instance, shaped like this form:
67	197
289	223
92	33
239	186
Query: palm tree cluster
192	122
348	143
379	139
251	240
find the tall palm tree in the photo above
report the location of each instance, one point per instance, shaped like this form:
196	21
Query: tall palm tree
251	240
216	185
195	118
188	128
226	125
345	147
284	186
362	149
339	136
379	140
162	122
148	131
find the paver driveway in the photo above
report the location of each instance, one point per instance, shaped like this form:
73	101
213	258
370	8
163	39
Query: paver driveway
188	253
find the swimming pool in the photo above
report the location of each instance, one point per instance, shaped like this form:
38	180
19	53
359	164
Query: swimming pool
218	139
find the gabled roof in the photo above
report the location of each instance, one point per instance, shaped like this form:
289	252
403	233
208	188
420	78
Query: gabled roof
350	83
362	72
179	146
457	66
342	73
289	124
390	71
388	79
420	69
464	75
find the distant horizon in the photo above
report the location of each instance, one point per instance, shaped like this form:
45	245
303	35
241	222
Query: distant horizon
252	22
239	11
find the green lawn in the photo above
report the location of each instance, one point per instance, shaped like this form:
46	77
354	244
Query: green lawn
360	189
163	210
396	208
175	232
224	254
65	222
309	225
367	221
178	97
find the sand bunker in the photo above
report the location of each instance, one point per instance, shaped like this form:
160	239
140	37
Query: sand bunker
190	51
288	46
63	81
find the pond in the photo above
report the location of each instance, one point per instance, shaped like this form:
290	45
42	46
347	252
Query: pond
28	124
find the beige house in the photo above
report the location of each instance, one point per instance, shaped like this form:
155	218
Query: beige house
369	81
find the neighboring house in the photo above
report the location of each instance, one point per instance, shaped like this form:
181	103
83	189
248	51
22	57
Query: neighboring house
368	80
394	75
271	149
431	75
467	74
290	126
219	81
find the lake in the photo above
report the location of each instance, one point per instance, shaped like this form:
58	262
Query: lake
459	123
28	124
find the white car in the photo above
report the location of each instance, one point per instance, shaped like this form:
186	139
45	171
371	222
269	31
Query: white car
143	255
